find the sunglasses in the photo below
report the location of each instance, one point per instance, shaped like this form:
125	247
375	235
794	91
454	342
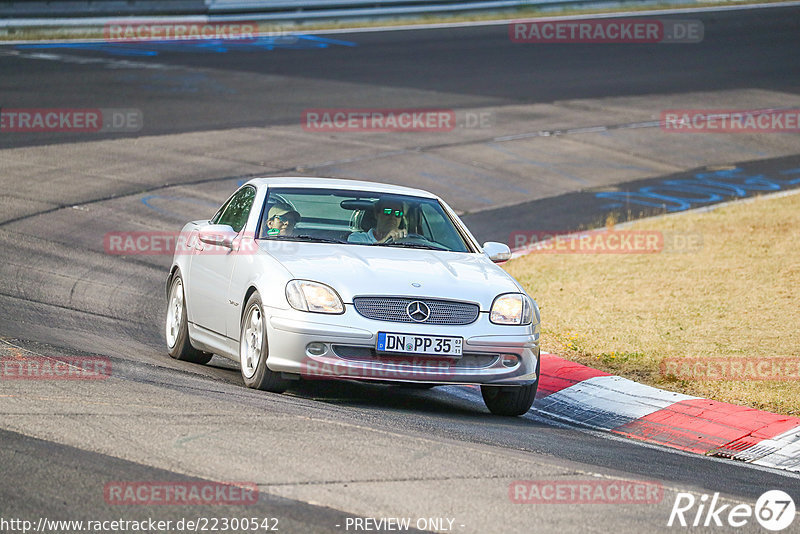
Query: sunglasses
283	219
388	211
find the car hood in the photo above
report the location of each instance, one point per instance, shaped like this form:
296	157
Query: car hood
354	270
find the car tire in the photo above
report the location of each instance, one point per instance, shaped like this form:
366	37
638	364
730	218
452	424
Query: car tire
177	327
511	400
254	350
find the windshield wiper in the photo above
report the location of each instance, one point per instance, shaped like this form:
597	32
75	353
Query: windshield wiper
411	245
304	237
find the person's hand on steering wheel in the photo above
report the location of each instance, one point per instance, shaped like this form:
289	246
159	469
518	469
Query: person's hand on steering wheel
395	235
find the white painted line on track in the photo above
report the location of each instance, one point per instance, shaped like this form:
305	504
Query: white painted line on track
90	60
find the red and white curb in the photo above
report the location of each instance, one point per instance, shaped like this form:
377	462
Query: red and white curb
578	394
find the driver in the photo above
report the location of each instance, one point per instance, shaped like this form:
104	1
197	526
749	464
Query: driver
281	220
389	214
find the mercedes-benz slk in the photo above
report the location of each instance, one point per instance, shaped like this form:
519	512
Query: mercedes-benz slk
316	278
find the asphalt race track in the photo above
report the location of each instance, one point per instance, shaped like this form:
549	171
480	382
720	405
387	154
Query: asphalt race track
572	135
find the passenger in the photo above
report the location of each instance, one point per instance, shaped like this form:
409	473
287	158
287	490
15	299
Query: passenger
281	220
389	218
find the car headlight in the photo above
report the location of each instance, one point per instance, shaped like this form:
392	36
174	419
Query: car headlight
511	308
314	297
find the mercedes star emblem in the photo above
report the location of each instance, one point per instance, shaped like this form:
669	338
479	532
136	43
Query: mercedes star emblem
418	311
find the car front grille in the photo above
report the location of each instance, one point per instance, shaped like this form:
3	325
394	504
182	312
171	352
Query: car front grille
442	312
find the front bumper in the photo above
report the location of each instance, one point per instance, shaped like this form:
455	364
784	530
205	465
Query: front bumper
492	354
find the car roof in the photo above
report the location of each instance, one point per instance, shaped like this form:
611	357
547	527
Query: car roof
338	183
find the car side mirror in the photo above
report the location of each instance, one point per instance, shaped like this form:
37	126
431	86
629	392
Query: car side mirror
497	252
221	235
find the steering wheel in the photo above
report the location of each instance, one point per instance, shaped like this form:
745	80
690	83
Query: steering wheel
416	239
409	237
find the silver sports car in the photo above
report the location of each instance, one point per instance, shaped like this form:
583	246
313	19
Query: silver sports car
316	278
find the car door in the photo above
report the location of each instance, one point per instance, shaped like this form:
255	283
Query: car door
212	266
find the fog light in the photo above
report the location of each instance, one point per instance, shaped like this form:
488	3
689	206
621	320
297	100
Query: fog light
510	360
316	349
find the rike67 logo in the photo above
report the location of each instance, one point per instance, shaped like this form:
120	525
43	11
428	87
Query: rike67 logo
774	511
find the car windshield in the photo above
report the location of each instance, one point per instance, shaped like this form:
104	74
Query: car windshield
359	218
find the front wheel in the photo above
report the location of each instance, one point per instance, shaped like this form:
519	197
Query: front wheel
253	350
177	327
511	400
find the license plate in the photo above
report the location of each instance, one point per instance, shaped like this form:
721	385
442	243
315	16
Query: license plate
414	344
